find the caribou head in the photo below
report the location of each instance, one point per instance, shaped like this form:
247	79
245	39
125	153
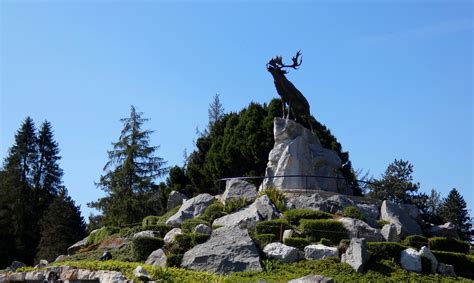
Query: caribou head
276	63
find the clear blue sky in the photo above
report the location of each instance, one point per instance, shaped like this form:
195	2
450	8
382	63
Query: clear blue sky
391	79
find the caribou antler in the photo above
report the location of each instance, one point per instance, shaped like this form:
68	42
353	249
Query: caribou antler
277	62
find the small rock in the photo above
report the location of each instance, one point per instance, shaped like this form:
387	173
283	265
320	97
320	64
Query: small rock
141	273
389	233
287	234
175	199
312	279
317	252
426	252
203	229
171	235
146	233
446	269
448	230
410	260
282	252
239	189
106	256
42	263
191	208
157	258
16	264
356	254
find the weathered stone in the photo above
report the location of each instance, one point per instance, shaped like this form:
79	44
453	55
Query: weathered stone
446	269
202	229
297	151
61	258
146	233
191	208
405	225
410	260
171	235
141	273
356	254
287	234
36	275
312	279
266	209
389	233
413	211
42	263
230	249
157	258
282	252
245	218
18	277
239	189
175	199
359	229
79	245
426	252
448	230
319	251
16	264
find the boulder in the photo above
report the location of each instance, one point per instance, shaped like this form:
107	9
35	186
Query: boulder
312	279
229	249
356	254
175	199
202	229
61	258
191	208
410	260
79	245
317	252
389	233
282	252
169	237
146	233
245	218
446	269
42	263
359	229
413	211
157	258
424	251
403	222
16	264
266	209
141	273
287	234
448	230
37	275
297	151
239	189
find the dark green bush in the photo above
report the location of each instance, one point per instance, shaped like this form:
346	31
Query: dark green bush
463	264
264	239
159	227
385	250
276	196
275	227
415	241
142	247
151	220
213	212
353	212
425	265
129	231
295	215
325	242
297	242
232	205
174	260
188	225
448	245
199	238
323	228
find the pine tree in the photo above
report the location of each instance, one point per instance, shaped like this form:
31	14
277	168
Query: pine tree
61	226
215	111
48	173
454	210
129	175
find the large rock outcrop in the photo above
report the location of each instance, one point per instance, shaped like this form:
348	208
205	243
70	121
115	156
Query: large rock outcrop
448	230
404	223
359	229
175	199
230	249
297	151
191	208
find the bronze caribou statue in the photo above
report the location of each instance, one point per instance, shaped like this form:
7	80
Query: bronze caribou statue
289	94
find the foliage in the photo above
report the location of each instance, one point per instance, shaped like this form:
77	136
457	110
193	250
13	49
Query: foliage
385	250
98	235
396	183
448	245
150	220
200	238
233	205
454	210
325	242
297	242
330	229
276	196
275	227
174	260
425	265
463	264
382	222
264	239
188	225
159	227
163	218
353	212
129	231
213	212
178	181
142	247
415	241
295	215
129	175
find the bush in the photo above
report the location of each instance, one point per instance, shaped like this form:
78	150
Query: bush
142	247
297	242
174	260
151	220
448	245
295	215
353	212
168	214
382	222
199	238
276	196
98	235
323	228
264	239
325	242
415	241
213	212
425	265
189	224
159	227
129	231
233	205
275	227
385	250
463	264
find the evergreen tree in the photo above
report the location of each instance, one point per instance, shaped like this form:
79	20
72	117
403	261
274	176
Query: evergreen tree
215	111
129	175
48	173
61	226
454	210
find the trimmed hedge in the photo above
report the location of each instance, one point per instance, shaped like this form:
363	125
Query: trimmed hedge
325	242
297	242
189	224
200	238
264	239
275	227
213	212
232	205
463	264
142	247
353	212
415	241
332	230
174	260
448	245
150	220
295	215
160	228
385	250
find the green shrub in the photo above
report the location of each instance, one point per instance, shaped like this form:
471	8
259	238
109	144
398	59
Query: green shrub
295	215
168	214
233	205
382	222
353	212
159	227
142	247
151	220
297	242
174	260
276	196
463	264
189	224
199	238
425	265
385	250
415	241
213	212
323	228
129	231
275	227
264	239
448	245
98	235
325	242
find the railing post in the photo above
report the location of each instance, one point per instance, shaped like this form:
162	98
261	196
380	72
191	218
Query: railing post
306	184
